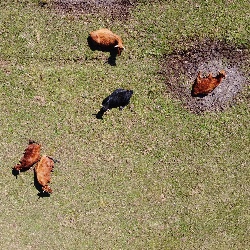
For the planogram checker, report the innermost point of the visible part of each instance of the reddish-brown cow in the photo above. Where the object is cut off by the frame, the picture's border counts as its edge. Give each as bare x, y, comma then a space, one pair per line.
106, 41
30, 157
43, 171
203, 86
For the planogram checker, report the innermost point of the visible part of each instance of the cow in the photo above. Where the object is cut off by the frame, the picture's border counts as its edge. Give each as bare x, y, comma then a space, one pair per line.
42, 172
106, 41
30, 157
119, 98
204, 85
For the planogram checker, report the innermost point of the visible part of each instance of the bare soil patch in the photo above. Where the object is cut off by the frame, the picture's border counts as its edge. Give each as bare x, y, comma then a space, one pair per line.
5, 66
116, 9
181, 69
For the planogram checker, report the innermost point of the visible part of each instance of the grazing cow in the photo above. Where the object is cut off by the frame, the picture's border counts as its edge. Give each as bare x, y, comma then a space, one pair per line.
203, 86
106, 41
119, 98
43, 171
30, 157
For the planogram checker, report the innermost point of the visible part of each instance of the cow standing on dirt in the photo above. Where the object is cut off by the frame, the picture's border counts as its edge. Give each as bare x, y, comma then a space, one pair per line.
203, 86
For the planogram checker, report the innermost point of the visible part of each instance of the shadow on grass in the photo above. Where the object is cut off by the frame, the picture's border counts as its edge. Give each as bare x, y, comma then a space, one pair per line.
17, 172
113, 51
112, 60
42, 195
99, 115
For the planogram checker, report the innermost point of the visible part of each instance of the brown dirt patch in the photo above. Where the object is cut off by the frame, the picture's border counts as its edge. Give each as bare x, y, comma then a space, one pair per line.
5, 66
181, 68
116, 9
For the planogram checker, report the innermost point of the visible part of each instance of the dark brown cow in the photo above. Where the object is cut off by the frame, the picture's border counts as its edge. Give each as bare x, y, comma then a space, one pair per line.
30, 157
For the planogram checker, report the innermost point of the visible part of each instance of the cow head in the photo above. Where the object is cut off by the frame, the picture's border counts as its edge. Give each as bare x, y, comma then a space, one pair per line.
47, 189
120, 48
222, 73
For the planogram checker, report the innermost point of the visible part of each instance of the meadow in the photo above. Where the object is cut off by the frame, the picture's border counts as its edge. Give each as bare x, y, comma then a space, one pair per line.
152, 176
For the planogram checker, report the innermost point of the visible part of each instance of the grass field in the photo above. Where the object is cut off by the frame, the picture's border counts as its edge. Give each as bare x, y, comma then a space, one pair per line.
153, 176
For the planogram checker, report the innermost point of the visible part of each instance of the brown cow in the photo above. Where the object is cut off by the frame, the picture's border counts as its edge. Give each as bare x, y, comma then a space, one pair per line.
43, 171
203, 86
106, 41
30, 157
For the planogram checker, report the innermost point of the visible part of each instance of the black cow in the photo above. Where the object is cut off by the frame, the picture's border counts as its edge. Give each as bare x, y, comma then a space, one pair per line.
119, 98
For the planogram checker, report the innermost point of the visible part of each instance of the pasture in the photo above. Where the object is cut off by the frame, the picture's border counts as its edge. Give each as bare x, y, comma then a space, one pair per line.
157, 175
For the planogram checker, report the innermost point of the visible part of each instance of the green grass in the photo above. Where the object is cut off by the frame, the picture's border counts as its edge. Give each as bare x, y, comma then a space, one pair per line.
153, 176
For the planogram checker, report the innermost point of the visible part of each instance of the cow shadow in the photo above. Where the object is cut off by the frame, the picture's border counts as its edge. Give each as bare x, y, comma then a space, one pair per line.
99, 115
42, 195
112, 60
17, 172
198, 95
113, 52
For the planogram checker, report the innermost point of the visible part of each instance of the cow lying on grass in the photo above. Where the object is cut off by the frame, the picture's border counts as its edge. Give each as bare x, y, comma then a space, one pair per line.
203, 86
106, 41
43, 171
30, 157
119, 98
